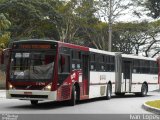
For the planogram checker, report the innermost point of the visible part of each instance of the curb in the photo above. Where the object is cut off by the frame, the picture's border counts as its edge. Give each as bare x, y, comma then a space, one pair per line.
150, 109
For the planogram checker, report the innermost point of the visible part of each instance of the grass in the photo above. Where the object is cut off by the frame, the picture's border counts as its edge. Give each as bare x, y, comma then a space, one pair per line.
155, 103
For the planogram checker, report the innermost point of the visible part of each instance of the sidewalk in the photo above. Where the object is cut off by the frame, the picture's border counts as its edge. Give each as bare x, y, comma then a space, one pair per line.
2, 94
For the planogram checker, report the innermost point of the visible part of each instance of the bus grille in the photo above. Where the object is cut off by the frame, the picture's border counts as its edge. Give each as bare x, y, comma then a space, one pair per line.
65, 92
29, 96
33, 87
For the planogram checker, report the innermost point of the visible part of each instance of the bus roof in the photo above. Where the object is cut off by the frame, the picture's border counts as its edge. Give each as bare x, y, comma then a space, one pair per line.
85, 48
101, 51
34, 40
137, 57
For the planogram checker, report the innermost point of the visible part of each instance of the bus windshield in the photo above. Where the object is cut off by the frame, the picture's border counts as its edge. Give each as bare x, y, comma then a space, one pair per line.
31, 66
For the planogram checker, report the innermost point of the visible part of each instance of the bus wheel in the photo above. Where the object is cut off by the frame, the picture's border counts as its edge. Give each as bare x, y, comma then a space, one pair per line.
34, 102
144, 90
108, 92
72, 101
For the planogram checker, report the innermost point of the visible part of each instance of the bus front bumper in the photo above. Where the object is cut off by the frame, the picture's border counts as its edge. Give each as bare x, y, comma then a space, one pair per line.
31, 95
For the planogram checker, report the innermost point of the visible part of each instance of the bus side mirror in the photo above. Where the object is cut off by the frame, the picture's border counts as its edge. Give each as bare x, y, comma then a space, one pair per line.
1, 57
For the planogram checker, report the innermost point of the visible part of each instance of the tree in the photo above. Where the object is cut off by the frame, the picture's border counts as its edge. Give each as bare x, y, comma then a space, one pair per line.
96, 34
128, 37
31, 19
149, 7
85, 11
67, 27
49, 19
109, 11
77, 15
137, 38
4, 34
151, 48
154, 8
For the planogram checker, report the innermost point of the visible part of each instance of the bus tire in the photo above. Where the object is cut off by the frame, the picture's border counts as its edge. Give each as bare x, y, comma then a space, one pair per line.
72, 101
144, 90
108, 92
34, 102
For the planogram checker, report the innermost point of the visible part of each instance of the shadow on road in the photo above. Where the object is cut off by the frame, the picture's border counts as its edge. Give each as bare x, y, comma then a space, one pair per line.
43, 105
113, 97
130, 96
55, 105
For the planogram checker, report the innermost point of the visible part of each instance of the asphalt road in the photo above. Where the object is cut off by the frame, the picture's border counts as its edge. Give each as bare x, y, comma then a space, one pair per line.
128, 104
128, 107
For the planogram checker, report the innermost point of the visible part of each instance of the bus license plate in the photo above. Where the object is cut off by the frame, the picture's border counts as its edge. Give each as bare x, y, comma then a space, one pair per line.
28, 93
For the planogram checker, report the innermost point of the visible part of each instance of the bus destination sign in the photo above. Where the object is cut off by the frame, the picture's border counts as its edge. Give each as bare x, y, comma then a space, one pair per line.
35, 46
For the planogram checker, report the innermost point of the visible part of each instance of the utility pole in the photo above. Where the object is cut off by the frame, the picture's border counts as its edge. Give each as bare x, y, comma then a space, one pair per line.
110, 26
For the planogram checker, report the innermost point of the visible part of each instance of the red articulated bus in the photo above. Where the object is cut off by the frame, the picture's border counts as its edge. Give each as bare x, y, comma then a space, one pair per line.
50, 70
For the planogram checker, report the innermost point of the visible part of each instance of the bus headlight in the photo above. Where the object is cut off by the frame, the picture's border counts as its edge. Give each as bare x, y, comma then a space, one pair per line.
11, 86
48, 87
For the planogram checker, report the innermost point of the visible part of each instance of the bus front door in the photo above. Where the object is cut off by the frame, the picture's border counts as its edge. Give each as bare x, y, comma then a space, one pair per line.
127, 76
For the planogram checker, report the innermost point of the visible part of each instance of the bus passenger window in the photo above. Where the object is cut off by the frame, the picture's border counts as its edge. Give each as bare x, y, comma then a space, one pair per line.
73, 66
78, 66
102, 67
134, 70
92, 67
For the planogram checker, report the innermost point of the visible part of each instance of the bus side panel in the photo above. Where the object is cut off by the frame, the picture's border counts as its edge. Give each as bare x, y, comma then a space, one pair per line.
139, 79
65, 87
98, 83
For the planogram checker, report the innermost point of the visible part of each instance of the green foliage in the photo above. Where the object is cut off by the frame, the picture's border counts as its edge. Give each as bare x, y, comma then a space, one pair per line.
137, 38
4, 34
129, 36
4, 40
28, 17
4, 22
77, 17
74, 21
